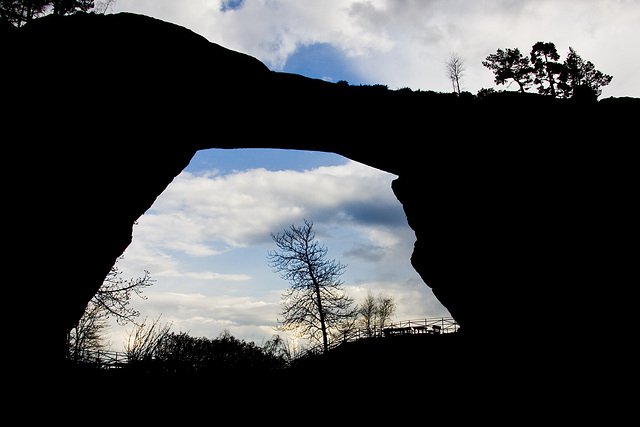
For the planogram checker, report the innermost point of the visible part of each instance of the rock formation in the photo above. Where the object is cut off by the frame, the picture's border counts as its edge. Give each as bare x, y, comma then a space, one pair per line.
503, 192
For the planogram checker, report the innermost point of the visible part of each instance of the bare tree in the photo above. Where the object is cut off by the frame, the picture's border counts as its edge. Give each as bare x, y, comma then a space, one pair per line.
115, 293
85, 336
346, 326
367, 311
385, 309
455, 70
316, 302
375, 312
111, 300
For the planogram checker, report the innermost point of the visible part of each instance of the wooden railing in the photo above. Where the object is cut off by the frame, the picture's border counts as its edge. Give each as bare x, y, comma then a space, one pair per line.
435, 326
100, 359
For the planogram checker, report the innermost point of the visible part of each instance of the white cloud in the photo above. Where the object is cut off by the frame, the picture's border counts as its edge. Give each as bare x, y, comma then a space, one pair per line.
426, 32
197, 212
405, 42
204, 275
271, 30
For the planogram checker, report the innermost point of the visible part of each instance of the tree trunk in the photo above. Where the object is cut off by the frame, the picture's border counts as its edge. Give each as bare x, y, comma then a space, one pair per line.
323, 327
316, 286
552, 82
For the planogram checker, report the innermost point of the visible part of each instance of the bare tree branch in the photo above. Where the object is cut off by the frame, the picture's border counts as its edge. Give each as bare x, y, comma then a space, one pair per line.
115, 293
111, 300
315, 304
455, 70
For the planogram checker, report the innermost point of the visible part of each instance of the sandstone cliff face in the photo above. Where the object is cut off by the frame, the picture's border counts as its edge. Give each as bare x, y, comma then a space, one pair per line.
107, 110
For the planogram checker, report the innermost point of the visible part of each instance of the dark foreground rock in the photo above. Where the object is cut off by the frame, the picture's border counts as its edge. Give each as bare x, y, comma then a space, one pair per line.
518, 201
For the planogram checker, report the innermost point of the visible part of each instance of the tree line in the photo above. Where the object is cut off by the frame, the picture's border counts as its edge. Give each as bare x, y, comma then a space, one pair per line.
153, 344
574, 77
150, 342
21, 12
542, 69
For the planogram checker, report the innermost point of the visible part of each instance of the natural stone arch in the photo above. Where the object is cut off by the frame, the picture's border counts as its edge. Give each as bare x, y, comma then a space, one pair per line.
482, 212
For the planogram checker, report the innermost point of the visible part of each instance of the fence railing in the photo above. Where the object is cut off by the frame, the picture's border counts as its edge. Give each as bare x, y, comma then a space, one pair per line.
100, 359
435, 326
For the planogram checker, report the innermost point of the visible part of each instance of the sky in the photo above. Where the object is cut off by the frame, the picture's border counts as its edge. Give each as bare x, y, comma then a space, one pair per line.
404, 43
205, 239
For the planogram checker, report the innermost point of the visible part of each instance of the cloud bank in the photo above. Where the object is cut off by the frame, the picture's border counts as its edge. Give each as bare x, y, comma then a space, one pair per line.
206, 237
405, 42
205, 214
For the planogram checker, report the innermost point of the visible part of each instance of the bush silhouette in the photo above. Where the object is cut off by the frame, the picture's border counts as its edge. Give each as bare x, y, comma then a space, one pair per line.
183, 353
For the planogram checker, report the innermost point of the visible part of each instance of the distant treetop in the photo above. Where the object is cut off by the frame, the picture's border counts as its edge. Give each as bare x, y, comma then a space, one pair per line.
574, 77
20, 12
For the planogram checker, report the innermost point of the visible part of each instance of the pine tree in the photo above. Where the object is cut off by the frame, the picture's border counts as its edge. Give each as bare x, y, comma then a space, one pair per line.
510, 64
581, 76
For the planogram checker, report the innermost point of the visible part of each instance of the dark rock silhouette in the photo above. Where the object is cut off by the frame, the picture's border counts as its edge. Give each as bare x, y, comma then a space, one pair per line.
506, 193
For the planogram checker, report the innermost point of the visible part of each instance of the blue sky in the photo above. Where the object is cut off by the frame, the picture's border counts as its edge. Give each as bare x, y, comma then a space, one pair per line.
323, 61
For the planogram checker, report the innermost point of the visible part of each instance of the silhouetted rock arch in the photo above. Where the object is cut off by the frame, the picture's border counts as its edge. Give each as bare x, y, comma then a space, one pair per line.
104, 111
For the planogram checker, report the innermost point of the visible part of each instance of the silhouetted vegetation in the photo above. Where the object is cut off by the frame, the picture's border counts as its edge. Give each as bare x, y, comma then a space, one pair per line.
111, 301
145, 340
181, 351
574, 77
510, 64
152, 346
375, 311
232, 369
20, 12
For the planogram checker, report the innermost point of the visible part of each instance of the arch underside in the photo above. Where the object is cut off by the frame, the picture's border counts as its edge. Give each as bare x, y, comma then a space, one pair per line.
484, 196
